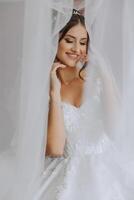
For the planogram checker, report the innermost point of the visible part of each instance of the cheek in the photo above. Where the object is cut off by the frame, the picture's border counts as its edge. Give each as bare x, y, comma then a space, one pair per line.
61, 51
62, 45
84, 49
62, 48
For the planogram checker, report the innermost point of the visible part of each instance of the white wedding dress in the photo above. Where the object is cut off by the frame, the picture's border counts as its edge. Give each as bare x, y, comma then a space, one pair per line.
87, 170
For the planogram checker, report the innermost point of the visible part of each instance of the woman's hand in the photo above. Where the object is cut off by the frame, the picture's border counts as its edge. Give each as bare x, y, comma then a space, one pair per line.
55, 80
82, 59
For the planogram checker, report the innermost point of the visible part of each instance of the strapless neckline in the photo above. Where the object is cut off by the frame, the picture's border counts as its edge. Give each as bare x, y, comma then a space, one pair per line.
71, 105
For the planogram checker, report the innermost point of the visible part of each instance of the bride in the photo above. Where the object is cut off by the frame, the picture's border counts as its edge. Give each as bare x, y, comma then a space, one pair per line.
79, 160
66, 126
66, 80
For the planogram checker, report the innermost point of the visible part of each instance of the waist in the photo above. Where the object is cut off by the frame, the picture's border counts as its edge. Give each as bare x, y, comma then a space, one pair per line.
87, 149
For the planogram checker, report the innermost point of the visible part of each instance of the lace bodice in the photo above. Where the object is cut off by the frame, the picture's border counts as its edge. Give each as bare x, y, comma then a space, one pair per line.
84, 128
87, 160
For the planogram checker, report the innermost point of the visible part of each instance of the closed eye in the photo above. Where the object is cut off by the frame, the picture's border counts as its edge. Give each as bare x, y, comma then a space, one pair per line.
83, 43
68, 41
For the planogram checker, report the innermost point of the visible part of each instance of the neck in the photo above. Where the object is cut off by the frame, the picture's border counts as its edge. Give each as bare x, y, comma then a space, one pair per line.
68, 74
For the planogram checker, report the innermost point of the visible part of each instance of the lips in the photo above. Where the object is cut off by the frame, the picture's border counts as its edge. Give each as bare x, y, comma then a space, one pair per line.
73, 56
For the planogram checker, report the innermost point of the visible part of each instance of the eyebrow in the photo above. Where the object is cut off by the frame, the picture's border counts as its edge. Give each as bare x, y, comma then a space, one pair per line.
75, 37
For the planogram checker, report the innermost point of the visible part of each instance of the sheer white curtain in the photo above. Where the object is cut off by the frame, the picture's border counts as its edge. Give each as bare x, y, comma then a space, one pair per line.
28, 37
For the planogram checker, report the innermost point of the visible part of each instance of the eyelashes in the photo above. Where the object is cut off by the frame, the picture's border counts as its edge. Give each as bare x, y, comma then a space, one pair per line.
69, 41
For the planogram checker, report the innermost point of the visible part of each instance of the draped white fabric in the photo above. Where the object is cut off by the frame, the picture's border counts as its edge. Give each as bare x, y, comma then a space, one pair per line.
28, 37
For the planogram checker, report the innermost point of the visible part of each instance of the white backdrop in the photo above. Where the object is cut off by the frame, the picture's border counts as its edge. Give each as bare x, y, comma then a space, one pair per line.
11, 34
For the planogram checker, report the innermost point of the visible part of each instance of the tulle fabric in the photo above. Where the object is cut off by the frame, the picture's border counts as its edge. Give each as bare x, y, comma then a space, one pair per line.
90, 159
29, 38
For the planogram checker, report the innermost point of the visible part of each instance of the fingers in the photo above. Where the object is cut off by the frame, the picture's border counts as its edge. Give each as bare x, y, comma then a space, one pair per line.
55, 70
56, 66
83, 57
86, 58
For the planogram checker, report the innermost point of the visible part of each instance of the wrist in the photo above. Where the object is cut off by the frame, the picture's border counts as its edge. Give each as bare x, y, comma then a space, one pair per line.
55, 96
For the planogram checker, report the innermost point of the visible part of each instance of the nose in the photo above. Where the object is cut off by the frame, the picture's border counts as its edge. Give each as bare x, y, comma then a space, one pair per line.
76, 48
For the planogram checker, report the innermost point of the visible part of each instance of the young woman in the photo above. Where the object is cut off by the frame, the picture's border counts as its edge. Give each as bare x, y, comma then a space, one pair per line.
67, 80
76, 167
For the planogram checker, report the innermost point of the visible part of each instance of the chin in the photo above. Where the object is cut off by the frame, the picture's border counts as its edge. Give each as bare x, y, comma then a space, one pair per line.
71, 64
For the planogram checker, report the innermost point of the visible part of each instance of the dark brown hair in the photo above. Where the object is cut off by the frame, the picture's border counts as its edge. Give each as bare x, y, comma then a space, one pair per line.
74, 20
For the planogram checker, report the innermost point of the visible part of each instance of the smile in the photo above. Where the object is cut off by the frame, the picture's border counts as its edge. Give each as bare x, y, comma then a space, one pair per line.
73, 56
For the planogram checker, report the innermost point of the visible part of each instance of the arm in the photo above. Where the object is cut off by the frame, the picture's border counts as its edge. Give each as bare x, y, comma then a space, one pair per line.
56, 132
